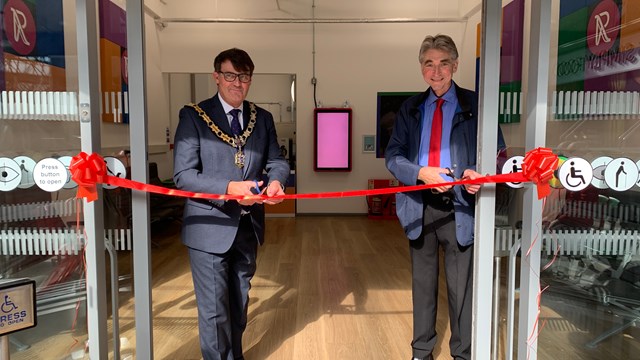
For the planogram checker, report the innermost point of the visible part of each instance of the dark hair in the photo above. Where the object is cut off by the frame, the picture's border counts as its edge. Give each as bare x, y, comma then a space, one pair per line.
439, 42
239, 58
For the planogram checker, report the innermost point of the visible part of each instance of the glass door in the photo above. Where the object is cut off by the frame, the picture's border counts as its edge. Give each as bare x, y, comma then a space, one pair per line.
57, 96
591, 221
41, 222
587, 231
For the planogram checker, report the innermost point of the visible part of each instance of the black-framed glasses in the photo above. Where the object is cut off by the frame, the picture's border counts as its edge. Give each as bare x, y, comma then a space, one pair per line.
231, 77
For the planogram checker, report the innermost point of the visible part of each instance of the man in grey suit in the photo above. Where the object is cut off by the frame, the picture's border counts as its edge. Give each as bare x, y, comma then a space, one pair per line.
222, 146
434, 141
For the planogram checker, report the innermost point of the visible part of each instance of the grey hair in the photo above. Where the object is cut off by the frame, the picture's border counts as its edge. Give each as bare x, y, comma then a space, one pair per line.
439, 42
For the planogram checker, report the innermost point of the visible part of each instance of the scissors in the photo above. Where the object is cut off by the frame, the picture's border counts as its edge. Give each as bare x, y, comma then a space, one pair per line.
450, 174
256, 190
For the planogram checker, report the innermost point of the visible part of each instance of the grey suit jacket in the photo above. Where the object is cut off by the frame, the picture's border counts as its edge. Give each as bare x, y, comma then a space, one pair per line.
205, 163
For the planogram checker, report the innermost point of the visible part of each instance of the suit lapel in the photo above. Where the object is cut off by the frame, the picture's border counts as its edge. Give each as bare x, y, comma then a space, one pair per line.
217, 114
248, 148
246, 114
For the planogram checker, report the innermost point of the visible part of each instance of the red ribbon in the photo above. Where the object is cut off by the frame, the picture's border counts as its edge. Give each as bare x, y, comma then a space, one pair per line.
88, 170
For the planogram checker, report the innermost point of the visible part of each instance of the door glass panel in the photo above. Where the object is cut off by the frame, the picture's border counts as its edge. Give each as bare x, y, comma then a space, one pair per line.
590, 228
591, 222
41, 235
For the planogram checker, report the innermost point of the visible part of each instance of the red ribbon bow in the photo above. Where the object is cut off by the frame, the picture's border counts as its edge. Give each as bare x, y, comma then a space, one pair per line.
87, 171
538, 166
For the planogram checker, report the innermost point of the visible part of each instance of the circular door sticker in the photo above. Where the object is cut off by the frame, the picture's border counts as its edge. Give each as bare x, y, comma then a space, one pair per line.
598, 165
66, 161
513, 165
575, 174
10, 174
116, 168
50, 174
621, 174
555, 180
26, 165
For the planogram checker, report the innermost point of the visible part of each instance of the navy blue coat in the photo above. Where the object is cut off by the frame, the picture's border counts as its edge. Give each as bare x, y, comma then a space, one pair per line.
402, 154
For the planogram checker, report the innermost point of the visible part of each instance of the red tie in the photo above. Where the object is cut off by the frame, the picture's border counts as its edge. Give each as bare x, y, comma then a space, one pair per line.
436, 135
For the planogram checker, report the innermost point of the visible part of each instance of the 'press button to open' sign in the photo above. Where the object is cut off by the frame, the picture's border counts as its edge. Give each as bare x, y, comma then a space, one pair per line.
50, 174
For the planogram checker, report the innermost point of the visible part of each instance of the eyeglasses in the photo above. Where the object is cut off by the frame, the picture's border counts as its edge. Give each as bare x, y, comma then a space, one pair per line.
443, 66
231, 77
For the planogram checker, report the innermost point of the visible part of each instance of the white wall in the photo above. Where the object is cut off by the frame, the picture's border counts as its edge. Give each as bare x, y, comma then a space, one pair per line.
353, 63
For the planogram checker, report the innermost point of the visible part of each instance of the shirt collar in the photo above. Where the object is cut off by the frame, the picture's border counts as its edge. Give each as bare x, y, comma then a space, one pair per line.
226, 105
449, 96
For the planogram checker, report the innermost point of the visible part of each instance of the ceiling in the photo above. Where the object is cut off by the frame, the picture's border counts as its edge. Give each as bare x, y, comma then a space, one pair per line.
314, 9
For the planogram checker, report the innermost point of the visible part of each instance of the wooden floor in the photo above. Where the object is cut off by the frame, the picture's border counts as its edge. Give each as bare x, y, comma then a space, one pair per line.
326, 288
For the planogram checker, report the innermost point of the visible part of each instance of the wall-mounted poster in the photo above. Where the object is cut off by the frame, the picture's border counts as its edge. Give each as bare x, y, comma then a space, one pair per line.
388, 106
113, 63
598, 69
511, 44
32, 52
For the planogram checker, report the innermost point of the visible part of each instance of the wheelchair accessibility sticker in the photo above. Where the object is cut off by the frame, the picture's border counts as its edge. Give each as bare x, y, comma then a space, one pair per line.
575, 174
513, 165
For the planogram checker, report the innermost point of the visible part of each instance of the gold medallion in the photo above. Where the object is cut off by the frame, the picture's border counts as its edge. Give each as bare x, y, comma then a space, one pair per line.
239, 158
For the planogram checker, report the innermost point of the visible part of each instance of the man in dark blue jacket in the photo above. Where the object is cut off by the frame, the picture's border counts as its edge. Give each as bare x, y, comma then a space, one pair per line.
435, 141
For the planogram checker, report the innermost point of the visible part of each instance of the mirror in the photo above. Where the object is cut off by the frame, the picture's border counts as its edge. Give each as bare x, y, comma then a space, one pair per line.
273, 92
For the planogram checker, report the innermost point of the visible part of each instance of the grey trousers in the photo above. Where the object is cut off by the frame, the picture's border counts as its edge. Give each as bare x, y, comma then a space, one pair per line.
439, 232
222, 283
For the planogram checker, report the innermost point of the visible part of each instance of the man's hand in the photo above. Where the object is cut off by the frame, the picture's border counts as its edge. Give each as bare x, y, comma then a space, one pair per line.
274, 188
244, 188
471, 175
431, 175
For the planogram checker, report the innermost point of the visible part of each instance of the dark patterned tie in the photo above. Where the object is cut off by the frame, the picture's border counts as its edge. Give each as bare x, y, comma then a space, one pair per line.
436, 135
235, 122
